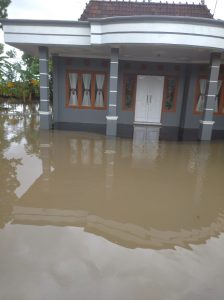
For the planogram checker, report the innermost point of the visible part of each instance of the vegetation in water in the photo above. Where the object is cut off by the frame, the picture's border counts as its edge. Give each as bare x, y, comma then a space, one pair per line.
19, 77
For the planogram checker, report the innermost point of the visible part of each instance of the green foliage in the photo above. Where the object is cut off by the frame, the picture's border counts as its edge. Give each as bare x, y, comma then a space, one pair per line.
11, 53
1, 49
20, 79
31, 64
3, 8
30, 76
4, 63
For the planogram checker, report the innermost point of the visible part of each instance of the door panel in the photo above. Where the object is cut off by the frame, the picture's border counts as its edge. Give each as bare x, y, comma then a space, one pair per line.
149, 99
141, 99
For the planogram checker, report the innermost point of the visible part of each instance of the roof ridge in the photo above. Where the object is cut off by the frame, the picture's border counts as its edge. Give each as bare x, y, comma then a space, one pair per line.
107, 8
148, 2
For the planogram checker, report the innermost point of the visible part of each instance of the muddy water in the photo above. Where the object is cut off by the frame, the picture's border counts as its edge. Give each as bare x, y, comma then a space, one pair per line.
86, 217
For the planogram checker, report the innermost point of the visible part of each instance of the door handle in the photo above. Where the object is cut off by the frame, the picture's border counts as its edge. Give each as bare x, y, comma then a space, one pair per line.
147, 99
150, 99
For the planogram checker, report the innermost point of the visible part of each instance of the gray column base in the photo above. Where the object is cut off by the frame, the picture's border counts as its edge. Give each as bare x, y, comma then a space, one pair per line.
205, 130
45, 121
111, 129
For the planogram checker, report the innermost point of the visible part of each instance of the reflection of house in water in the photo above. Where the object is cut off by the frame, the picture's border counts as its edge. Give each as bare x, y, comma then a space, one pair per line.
94, 185
145, 142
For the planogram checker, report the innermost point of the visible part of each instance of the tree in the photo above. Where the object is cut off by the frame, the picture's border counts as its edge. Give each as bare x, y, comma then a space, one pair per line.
4, 63
32, 65
30, 76
3, 8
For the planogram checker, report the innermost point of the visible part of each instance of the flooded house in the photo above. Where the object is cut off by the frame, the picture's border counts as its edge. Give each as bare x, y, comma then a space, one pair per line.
128, 63
84, 216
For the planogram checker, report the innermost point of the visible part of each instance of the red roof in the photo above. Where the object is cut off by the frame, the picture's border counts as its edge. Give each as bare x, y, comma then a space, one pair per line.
102, 9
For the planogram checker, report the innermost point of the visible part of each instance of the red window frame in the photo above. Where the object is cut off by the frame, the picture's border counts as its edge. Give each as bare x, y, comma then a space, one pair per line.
92, 89
125, 78
165, 93
197, 94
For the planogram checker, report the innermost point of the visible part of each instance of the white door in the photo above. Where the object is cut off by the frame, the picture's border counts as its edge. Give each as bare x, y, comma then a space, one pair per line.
149, 98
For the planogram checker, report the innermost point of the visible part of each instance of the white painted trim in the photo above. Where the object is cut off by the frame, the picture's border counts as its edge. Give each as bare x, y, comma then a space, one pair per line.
49, 40
213, 81
44, 87
113, 91
114, 77
44, 112
43, 59
211, 95
147, 123
209, 109
114, 105
112, 118
114, 62
184, 31
215, 66
187, 33
207, 122
44, 100
44, 74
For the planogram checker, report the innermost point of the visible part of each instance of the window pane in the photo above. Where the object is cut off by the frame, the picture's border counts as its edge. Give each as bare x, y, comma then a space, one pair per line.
73, 94
218, 97
86, 100
100, 78
129, 97
170, 94
201, 96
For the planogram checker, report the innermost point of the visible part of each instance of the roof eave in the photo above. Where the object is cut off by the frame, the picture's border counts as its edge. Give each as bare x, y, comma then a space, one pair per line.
43, 22
157, 18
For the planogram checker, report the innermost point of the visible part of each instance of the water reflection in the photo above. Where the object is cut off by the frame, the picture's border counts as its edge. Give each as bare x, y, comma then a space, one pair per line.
145, 143
8, 109
137, 193
17, 145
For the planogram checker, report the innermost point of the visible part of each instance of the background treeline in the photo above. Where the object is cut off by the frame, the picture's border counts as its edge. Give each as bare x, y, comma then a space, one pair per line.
19, 77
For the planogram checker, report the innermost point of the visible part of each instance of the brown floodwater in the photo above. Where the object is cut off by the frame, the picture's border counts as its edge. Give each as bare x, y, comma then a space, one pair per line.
85, 217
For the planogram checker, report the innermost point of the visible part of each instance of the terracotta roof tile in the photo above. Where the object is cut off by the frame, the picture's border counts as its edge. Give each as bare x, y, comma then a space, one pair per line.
102, 9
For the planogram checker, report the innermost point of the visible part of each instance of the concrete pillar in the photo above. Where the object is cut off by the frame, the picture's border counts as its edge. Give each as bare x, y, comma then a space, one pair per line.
186, 75
113, 93
45, 114
55, 74
206, 124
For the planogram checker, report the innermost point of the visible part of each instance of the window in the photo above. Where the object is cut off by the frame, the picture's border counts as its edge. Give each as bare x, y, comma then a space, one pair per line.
201, 93
86, 89
129, 92
200, 97
219, 105
170, 94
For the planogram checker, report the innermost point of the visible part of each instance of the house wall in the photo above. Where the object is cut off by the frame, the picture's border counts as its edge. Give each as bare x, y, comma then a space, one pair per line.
183, 117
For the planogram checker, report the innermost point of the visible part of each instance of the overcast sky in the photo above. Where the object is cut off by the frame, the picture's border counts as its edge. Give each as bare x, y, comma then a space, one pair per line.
72, 9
